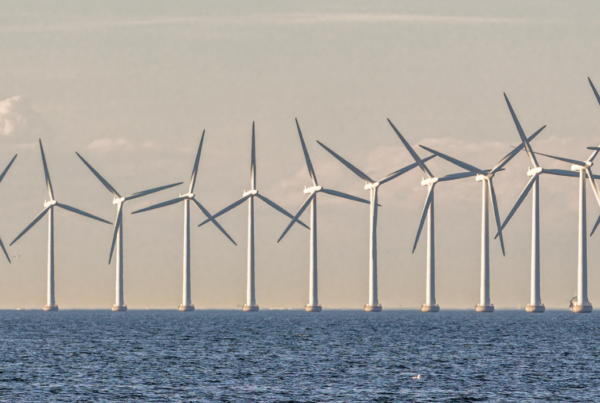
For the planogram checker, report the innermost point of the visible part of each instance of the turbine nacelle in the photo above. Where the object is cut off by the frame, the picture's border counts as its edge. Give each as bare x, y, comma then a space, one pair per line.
119, 200
49, 203
370, 186
481, 178
535, 171
429, 181
187, 195
253, 192
312, 189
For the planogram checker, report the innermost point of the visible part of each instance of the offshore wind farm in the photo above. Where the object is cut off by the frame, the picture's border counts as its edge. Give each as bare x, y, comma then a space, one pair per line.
355, 180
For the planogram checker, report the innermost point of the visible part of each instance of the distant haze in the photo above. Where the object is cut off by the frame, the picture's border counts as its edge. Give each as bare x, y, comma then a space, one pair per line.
131, 85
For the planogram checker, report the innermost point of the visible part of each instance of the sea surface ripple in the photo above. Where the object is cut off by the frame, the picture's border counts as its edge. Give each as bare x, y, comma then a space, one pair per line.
293, 356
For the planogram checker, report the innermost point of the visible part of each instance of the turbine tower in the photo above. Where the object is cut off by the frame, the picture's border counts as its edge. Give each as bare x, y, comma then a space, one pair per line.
49, 208
117, 239
535, 302
2, 177
488, 194
187, 305
373, 186
313, 292
250, 305
428, 212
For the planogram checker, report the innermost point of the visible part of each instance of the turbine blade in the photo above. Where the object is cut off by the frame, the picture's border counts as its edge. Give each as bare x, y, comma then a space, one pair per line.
6, 169
561, 172
83, 213
309, 165
348, 165
196, 162
280, 209
100, 178
226, 209
207, 214
404, 170
514, 152
118, 222
592, 157
452, 177
593, 184
150, 191
595, 226
298, 214
522, 196
346, 195
522, 134
159, 205
412, 152
46, 173
4, 250
253, 162
35, 220
497, 215
594, 89
424, 214
461, 164
570, 161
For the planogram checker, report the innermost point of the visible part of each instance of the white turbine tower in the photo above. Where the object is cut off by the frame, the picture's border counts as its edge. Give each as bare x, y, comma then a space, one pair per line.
2, 177
428, 212
49, 208
373, 186
250, 305
535, 303
488, 194
186, 198
313, 293
117, 239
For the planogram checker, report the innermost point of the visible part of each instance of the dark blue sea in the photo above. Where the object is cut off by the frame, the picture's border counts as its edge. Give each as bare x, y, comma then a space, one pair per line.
293, 356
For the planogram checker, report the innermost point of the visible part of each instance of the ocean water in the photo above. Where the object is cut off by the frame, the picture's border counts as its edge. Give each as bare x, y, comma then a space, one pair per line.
293, 356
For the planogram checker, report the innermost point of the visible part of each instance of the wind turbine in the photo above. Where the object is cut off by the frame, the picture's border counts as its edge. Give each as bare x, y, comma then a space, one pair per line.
186, 198
250, 305
313, 297
2, 177
488, 194
119, 201
581, 169
428, 212
373, 186
49, 209
535, 303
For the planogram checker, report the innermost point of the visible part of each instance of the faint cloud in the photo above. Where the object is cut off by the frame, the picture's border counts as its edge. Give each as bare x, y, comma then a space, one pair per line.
12, 115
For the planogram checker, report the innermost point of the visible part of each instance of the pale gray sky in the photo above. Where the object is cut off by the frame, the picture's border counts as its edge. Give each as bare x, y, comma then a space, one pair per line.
131, 85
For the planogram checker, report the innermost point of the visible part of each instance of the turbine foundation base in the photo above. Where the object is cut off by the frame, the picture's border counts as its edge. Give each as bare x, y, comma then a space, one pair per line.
119, 308
582, 308
250, 308
49, 308
430, 308
186, 308
313, 308
535, 308
484, 308
373, 308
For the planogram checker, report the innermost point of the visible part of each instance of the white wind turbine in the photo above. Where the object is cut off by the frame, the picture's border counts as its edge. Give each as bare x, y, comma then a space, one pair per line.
581, 169
117, 239
186, 198
313, 297
428, 212
2, 177
488, 194
49, 208
535, 303
373, 186
250, 305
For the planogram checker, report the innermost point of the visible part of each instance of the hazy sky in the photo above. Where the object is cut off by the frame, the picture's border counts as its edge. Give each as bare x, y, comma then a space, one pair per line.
131, 85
